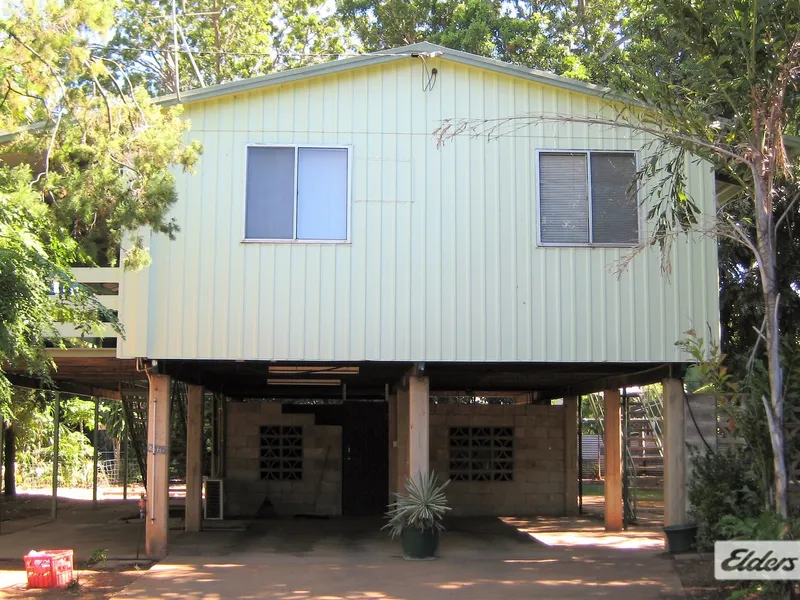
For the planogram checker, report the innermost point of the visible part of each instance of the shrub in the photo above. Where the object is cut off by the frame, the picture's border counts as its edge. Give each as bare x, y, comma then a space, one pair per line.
723, 485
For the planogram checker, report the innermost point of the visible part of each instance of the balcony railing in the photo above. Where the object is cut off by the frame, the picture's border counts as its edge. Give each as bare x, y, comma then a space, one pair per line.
105, 283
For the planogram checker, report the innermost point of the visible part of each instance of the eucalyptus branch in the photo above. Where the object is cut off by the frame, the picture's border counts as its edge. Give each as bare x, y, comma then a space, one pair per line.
130, 86
450, 129
787, 211
760, 337
25, 94
741, 237
50, 147
617, 43
719, 228
44, 61
105, 100
124, 164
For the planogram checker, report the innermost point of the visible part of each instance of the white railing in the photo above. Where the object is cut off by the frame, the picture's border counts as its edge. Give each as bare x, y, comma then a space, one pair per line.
105, 281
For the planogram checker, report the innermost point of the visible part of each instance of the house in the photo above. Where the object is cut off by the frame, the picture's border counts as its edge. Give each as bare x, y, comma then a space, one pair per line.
334, 260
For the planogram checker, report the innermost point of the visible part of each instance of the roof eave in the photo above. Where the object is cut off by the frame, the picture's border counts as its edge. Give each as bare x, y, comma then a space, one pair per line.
279, 78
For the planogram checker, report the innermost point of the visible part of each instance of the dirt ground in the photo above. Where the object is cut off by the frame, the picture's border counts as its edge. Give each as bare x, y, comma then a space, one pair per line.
93, 583
29, 513
105, 580
23, 506
697, 578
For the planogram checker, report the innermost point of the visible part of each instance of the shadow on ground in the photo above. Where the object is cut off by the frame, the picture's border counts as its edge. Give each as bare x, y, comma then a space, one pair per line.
344, 558
480, 558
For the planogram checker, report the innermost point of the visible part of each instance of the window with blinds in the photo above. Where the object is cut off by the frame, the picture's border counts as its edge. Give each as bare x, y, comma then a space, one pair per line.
585, 198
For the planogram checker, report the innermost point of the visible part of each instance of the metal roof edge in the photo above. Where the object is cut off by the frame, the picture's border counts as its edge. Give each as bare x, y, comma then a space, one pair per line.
492, 64
7, 136
383, 56
281, 77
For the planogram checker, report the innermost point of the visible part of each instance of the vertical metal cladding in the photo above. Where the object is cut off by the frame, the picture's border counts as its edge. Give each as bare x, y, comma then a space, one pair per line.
443, 261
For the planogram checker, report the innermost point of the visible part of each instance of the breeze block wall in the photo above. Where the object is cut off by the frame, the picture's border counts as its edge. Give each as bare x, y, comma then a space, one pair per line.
538, 484
317, 491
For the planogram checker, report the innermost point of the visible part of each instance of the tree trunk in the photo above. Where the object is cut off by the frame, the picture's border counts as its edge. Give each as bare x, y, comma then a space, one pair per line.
10, 458
765, 243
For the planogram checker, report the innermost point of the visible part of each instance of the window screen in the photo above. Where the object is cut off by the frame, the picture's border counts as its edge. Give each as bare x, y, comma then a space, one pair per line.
296, 193
564, 198
583, 205
269, 213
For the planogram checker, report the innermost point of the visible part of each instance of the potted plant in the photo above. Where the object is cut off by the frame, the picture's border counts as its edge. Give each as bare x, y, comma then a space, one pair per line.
416, 516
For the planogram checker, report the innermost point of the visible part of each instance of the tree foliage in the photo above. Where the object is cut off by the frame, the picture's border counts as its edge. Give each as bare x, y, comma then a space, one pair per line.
579, 39
228, 40
91, 166
723, 86
741, 305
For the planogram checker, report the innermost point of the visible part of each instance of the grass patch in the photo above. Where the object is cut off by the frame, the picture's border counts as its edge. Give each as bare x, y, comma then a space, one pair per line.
593, 489
598, 489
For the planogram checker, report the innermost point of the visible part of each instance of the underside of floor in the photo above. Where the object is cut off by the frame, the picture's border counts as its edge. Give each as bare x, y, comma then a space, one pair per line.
99, 373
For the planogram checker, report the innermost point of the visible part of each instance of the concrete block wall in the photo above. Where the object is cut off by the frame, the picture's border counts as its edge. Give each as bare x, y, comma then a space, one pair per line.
246, 494
538, 487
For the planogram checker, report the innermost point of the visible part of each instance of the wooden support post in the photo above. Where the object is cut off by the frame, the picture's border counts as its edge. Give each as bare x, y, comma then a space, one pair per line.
402, 471
613, 452
56, 427
674, 453
571, 455
194, 455
157, 517
419, 426
96, 443
393, 457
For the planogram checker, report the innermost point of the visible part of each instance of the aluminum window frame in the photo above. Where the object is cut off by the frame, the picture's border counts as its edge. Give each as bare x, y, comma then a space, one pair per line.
296, 148
590, 243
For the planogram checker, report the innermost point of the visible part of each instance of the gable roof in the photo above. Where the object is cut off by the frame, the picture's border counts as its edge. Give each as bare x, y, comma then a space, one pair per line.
423, 49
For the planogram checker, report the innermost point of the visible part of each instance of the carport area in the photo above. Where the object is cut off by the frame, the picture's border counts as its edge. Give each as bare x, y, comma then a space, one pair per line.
350, 558
277, 440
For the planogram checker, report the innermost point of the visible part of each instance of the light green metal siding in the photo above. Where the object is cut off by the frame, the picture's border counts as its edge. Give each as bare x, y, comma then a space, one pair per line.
443, 263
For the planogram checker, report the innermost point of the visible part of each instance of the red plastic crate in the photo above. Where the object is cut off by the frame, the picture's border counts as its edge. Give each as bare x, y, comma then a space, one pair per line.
49, 568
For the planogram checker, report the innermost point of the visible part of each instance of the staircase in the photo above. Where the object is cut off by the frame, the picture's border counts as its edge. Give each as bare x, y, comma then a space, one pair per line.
644, 443
643, 451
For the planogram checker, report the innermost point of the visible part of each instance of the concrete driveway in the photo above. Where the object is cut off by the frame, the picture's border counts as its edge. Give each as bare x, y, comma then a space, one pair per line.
481, 559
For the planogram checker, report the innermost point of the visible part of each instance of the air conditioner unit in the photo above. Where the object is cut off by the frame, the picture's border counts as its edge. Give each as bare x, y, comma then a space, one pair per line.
214, 499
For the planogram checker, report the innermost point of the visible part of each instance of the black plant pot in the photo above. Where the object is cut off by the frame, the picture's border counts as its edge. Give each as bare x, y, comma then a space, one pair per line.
419, 544
680, 538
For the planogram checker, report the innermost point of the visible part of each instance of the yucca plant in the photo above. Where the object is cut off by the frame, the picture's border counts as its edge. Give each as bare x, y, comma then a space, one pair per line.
422, 506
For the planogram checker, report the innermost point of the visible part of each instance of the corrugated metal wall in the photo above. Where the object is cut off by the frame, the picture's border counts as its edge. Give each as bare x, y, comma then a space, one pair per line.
443, 262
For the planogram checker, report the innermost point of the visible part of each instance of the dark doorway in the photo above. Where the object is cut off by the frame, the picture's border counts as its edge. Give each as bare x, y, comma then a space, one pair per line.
365, 458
